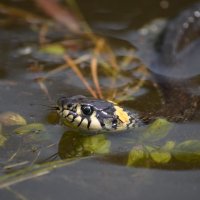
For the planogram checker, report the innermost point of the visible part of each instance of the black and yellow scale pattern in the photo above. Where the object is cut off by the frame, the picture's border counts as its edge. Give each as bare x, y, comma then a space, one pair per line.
97, 115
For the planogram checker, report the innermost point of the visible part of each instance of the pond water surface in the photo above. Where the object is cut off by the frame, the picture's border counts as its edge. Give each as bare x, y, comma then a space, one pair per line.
101, 166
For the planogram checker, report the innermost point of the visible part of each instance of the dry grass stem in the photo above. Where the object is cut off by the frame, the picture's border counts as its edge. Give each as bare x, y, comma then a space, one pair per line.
18, 13
15, 165
128, 59
77, 71
36, 158
62, 15
42, 34
44, 88
144, 71
77, 24
94, 65
55, 71
140, 83
65, 66
112, 57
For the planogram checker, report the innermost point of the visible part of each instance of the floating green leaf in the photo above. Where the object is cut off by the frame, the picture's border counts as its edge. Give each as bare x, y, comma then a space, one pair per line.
160, 156
2, 140
73, 144
11, 118
136, 156
157, 130
55, 49
30, 128
96, 144
169, 146
188, 151
2, 137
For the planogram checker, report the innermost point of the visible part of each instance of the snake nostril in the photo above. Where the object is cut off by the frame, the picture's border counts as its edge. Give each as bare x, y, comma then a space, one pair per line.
114, 123
57, 108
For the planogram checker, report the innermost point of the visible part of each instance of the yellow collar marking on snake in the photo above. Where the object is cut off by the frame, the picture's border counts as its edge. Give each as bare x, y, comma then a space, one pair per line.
123, 116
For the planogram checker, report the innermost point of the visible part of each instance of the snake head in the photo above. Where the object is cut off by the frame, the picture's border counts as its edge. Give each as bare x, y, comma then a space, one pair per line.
94, 114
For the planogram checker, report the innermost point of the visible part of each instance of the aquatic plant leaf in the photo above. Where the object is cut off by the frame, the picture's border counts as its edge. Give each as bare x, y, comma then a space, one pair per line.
11, 119
2, 137
188, 151
157, 130
73, 144
169, 145
30, 128
160, 156
97, 144
55, 49
136, 156
2, 140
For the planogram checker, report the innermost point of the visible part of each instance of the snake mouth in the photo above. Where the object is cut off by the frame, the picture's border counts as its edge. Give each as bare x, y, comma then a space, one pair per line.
73, 117
67, 114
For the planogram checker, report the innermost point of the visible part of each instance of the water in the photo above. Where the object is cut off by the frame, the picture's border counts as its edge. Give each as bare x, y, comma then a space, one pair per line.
103, 171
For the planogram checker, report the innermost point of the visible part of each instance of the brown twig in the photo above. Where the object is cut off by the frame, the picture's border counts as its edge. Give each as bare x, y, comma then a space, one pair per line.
42, 34
94, 63
75, 68
62, 15
144, 71
44, 88
112, 57
18, 13
63, 67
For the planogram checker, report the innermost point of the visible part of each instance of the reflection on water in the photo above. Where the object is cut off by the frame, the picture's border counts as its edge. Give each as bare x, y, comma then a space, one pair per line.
151, 149
74, 144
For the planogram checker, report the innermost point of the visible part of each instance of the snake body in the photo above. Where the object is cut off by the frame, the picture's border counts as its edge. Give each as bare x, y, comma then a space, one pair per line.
98, 115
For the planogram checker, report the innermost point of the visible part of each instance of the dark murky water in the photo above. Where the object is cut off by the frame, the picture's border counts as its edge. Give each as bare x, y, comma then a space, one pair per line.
107, 170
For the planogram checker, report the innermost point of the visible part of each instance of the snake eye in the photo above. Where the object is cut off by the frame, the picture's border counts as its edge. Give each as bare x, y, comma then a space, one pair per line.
87, 110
